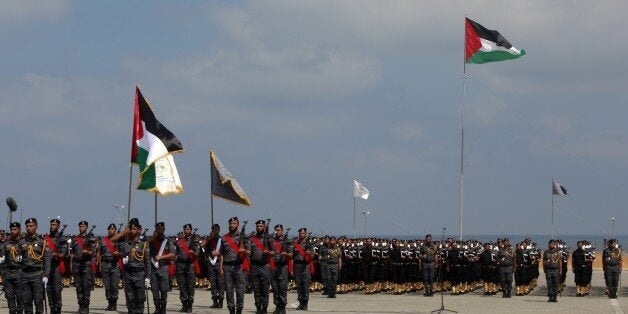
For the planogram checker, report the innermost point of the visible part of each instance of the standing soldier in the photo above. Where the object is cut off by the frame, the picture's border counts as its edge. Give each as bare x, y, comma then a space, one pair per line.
303, 267
36, 260
368, 267
429, 258
261, 254
279, 276
11, 260
212, 244
334, 265
552, 265
488, 269
579, 268
161, 253
612, 264
136, 267
81, 263
187, 264
57, 245
507, 265
322, 261
233, 265
110, 264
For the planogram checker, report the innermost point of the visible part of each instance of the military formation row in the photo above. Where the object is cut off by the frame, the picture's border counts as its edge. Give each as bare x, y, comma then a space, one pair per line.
34, 267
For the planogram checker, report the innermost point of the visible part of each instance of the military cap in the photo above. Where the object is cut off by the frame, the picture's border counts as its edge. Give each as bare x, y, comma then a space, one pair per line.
15, 224
3, 231
30, 220
187, 226
551, 241
303, 229
160, 224
612, 241
215, 226
332, 238
112, 225
55, 220
83, 223
235, 218
134, 223
260, 222
279, 226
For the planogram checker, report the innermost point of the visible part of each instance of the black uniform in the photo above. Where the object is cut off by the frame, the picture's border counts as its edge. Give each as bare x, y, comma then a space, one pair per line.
552, 259
612, 259
57, 244
302, 274
186, 277
507, 261
12, 273
36, 265
82, 269
136, 274
233, 272
216, 281
159, 275
428, 261
110, 269
279, 276
260, 270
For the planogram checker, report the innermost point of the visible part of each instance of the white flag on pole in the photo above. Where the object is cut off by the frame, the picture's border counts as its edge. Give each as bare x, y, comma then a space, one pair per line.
359, 190
558, 189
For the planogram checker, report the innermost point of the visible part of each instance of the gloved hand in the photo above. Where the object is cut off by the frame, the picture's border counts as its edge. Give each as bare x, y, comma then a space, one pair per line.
18, 258
44, 280
1, 259
125, 260
147, 283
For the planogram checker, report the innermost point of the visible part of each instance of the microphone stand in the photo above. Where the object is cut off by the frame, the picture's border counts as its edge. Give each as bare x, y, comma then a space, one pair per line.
442, 291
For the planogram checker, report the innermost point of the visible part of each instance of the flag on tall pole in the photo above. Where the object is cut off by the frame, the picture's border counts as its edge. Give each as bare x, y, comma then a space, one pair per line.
558, 189
151, 149
359, 190
484, 45
224, 185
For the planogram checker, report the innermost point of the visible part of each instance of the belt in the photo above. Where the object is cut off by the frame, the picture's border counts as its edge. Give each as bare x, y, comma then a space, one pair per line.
552, 268
185, 262
300, 262
278, 264
134, 269
332, 263
13, 267
31, 269
231, 263
256, 263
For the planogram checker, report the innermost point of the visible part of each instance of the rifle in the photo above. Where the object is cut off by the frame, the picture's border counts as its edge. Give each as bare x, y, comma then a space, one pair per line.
120, 227
90, 233
242, 234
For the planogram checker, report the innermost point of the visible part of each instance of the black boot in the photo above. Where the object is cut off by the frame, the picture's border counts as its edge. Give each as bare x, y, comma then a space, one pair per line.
508, 294
231, 310
184, 307
215, 304
239, 310
220, 304
114, 305
190, 306
304, 308
300, 307
107, 309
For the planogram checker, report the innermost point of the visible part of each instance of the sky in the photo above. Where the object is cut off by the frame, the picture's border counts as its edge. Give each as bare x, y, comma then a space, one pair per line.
298, 98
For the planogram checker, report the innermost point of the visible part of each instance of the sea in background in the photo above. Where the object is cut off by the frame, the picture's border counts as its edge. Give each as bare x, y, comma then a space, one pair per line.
597, 240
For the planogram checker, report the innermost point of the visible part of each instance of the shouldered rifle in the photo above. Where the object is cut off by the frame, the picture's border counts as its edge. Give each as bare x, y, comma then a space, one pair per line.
242, 235
120, 227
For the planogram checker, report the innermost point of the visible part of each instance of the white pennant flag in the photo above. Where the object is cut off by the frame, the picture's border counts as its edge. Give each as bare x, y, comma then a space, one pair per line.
359, 190
558, 189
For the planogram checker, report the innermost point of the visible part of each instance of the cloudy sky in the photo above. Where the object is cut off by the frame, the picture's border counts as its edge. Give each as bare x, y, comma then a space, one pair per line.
299, 97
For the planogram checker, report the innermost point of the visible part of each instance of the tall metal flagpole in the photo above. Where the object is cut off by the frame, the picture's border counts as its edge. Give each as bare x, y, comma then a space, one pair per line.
211, 204
354, 216
128, 204
155, 208
464, 95
552, 213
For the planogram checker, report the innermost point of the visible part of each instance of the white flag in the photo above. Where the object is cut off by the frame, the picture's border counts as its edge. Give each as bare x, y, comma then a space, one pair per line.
558, 189
166, 176
359, 190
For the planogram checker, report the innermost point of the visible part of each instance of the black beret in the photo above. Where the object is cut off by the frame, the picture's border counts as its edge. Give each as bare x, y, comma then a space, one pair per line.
55, 220
83, 223
303, 229
15, 224
134, 221
30, 220
112, 225
260, 222
279, 226
428, 235
550, 241
160, 224
215, 226
332, 238
612, 241
233, 219
187, 226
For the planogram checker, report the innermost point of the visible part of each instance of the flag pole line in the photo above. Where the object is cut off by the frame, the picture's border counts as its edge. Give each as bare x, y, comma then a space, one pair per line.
464, 95
155, 207
128, 204
354, 216
552, 215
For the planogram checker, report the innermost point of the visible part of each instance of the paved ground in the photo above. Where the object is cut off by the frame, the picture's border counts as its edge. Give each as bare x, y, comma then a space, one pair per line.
409, 303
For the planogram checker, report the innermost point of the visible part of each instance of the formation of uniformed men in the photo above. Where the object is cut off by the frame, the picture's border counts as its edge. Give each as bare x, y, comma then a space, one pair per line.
33, 266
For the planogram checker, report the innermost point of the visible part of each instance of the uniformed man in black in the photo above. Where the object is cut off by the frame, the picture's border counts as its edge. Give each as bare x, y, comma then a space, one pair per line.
136, 260
279, 276
581, 263
262, 250
303, 256
552, 265
612, 264
334, 265
507, 265
110, 262
11, 260
429, 255
162, 254
232, 256
488, 269
187, 254
82, 250
36, 266
58, 246
212, 245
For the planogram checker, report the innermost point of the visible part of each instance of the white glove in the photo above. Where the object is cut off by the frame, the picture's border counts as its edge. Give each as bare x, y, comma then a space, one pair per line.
125, 260
1, 259
18, 259
44, 280
147, 283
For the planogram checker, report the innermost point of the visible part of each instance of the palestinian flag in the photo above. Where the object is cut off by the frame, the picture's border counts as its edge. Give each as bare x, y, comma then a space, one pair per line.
484, 45
151, 150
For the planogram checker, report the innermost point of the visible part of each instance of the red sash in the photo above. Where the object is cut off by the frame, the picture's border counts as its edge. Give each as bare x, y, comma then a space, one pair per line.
259, 245
111, 249
81, 243
305, 256
171, 268
186, 249
279, 248
246, 263
52, 247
